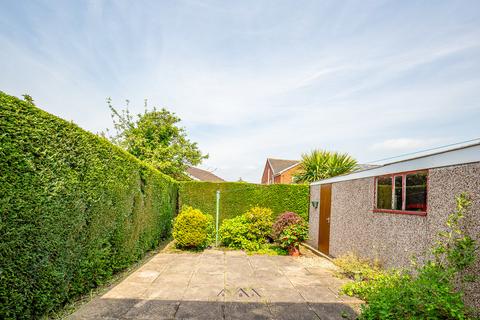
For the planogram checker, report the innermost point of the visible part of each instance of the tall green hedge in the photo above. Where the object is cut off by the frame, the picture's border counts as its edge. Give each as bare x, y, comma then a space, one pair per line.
237, 197
74, 209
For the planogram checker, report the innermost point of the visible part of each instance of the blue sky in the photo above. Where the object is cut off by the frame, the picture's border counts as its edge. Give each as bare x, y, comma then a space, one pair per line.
256, 79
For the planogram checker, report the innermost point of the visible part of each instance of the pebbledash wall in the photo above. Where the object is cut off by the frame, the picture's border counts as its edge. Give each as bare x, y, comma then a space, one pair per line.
394, 238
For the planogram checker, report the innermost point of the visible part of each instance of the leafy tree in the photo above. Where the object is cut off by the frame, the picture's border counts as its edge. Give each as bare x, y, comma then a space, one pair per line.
155, 137
28, 98
321, 164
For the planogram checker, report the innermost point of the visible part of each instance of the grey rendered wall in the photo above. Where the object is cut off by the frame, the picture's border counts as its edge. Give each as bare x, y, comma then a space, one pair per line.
394, 238
313, 216
446, 183
390, 238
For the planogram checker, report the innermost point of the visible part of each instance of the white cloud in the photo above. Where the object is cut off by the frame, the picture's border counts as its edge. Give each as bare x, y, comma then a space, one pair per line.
257, 79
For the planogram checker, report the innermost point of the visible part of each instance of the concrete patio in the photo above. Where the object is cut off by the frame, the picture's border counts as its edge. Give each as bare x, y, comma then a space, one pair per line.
225, 285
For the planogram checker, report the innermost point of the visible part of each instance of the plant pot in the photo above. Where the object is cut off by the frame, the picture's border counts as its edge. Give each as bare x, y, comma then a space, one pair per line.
294, 251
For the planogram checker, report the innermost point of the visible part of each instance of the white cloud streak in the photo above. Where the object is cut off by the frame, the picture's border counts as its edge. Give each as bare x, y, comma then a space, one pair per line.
253, 80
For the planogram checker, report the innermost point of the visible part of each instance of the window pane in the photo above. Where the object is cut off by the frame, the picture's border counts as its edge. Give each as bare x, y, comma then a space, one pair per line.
416, 192
397, 200
384, 192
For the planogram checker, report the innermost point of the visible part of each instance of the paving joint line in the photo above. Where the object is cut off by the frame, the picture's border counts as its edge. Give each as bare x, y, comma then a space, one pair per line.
298, 291
264, 300
164, 267
186, 287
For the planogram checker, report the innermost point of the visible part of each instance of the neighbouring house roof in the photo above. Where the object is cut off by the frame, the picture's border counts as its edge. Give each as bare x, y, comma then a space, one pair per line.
445, 158
280, 165
202, 175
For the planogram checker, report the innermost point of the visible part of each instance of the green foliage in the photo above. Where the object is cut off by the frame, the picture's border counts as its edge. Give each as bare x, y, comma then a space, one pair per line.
368, 275
269, 250
431, 290
248, 231
320, 164
74, 209
28, 98
155, 137
238, 197
192, 229
260, 222
293, 235
233, 233
284, 220
376, 281
356, 268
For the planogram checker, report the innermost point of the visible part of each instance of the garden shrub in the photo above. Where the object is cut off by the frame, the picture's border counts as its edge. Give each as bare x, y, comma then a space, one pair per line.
234, 233
293, 235
74, 209
284, 220
192, 229
428, 291
259, 222
248, 231
238, 197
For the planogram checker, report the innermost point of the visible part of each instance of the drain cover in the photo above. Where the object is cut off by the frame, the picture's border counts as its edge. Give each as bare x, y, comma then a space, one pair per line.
240, 292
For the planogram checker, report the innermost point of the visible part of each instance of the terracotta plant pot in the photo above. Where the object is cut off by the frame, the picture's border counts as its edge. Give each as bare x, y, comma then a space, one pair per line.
294, 252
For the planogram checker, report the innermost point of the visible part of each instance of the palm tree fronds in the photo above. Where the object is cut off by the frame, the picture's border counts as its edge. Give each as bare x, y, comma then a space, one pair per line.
322, 164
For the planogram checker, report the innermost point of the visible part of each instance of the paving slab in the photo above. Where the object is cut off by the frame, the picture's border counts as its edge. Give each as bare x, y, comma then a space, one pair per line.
153, 309
200, 310
334, 311
104, 309
165, 292
225, 285
247, 311
292, 311
206, 279
204, 293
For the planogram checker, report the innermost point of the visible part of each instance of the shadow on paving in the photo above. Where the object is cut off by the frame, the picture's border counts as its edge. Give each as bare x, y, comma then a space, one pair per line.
224, 285
169, 309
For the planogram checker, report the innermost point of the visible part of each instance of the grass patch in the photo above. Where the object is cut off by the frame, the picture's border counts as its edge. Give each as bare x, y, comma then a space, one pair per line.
269, 250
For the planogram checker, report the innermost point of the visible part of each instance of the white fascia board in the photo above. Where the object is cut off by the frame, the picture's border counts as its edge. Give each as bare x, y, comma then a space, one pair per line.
270, 165
458, 156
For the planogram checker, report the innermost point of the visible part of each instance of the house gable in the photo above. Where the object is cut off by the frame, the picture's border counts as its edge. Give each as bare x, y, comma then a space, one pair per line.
267, 176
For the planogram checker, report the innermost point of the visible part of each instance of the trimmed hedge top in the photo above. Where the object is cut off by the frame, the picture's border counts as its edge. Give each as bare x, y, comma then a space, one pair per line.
74, 209
238, 197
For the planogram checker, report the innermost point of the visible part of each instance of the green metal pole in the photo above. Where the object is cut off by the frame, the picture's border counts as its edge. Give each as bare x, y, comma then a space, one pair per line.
216, 220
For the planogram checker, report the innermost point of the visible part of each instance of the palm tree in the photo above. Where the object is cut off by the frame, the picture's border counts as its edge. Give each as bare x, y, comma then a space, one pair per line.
321, 164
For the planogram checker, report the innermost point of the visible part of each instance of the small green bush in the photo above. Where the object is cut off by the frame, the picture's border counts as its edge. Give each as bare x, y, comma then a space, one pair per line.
293, 235
259, 223
192, 229
284, 220
248, 231
430, 291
